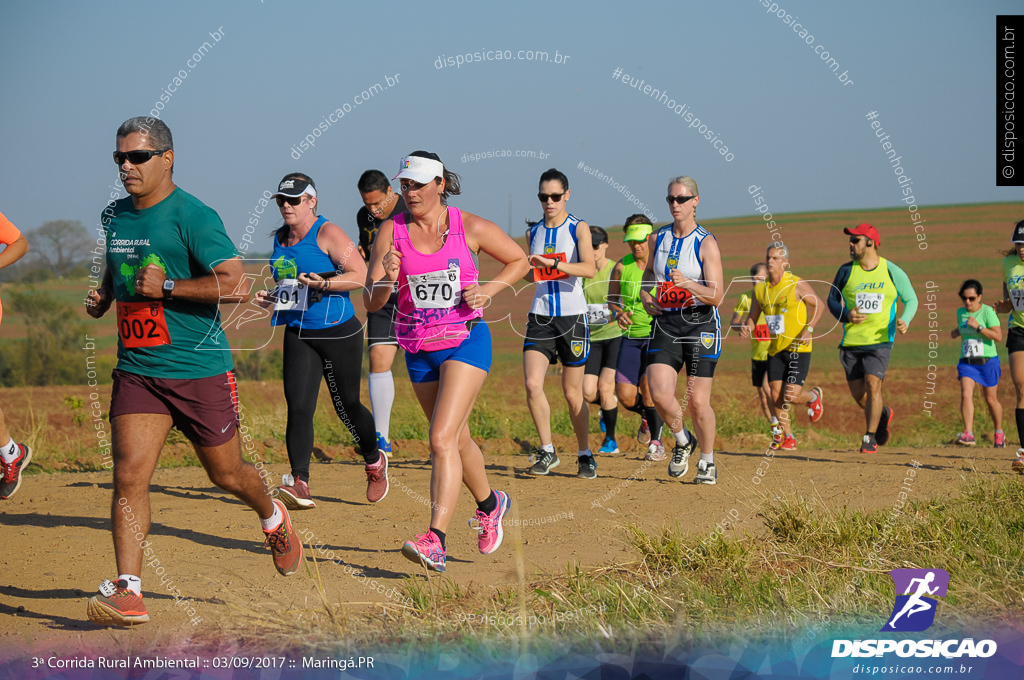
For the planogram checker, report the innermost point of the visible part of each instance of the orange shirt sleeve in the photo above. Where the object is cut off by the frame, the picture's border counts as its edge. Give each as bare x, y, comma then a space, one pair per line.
8, 232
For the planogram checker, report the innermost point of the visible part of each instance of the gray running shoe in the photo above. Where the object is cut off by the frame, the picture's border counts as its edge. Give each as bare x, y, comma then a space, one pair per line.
680, 463
706, 473
544, 463
587, 467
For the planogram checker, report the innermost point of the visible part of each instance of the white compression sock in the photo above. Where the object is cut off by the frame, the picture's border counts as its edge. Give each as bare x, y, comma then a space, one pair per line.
382, 397
274, 521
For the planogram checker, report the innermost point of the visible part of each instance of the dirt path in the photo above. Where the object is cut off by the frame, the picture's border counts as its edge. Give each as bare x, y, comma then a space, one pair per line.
58, 548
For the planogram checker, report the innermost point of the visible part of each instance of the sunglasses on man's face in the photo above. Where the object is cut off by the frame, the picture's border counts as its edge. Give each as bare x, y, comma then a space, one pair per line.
135, 157
290, 200
969, 298
678, 200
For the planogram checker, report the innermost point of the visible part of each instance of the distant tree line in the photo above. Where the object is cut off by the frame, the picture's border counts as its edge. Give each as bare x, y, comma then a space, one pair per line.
61, 249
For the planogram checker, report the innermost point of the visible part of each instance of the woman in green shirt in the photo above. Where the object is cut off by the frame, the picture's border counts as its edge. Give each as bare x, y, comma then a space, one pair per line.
978, 327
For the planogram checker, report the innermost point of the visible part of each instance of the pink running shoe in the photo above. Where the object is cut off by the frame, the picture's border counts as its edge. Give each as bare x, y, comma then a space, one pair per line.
965, 439
377, 479
656, 451
489, 525
426, 550
999, 439
294, 493
643, 435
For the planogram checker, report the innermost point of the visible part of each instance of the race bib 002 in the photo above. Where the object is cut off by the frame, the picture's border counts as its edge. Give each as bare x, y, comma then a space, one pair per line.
142, 324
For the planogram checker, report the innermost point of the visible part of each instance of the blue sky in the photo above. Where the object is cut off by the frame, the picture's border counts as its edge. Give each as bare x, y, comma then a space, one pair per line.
76, 70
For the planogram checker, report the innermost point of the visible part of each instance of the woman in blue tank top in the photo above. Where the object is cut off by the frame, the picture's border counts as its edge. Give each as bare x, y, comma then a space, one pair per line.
315, 266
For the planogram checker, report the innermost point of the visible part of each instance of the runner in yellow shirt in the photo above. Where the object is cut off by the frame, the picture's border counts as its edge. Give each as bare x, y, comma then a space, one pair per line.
791, 308
758, 347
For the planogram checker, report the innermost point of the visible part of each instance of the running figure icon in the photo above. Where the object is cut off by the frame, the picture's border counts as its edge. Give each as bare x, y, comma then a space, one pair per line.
915, 586
915, 604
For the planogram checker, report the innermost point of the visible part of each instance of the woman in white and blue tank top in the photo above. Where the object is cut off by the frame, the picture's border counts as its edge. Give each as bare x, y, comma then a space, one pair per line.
561, 254
686, 267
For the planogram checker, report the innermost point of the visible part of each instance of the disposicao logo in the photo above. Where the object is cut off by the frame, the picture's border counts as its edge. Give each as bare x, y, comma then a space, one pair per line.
914, 611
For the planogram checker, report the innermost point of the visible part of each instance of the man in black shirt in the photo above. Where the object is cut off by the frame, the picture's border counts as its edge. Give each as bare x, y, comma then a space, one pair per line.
380, 202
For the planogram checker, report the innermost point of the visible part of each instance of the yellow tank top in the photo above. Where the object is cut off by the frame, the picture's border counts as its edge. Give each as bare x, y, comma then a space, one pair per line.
785, 315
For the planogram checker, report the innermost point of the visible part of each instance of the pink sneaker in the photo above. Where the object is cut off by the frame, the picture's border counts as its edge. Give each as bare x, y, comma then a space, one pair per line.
426, 550
489, 525
377, 479
643, 435
965, 439
999, 440
294, 493
656, 451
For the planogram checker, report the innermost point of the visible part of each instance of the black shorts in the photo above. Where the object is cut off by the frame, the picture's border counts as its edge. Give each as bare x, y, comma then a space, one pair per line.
204, 409
1015, 340
758, 370
632, 362
564, 337
380, 325
861, 361
789, 367
603, 354
690, 340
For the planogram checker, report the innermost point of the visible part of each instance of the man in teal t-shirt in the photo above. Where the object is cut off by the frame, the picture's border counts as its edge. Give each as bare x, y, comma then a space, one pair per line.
169, 264
978, 328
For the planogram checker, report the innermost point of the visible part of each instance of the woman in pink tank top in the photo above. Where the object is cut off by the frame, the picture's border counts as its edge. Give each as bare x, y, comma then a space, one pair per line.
429, 251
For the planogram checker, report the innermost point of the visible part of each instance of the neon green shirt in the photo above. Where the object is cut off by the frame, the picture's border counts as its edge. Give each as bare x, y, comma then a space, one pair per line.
629, 285
599, 316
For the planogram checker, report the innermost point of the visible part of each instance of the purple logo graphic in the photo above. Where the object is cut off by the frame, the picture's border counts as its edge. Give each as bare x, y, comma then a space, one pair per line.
914, 611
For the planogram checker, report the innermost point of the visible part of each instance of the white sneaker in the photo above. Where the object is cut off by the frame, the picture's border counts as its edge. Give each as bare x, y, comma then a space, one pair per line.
706, 473
680, 463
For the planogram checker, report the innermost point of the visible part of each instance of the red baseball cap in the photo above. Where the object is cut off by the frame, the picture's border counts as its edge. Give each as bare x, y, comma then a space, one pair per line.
865, 229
